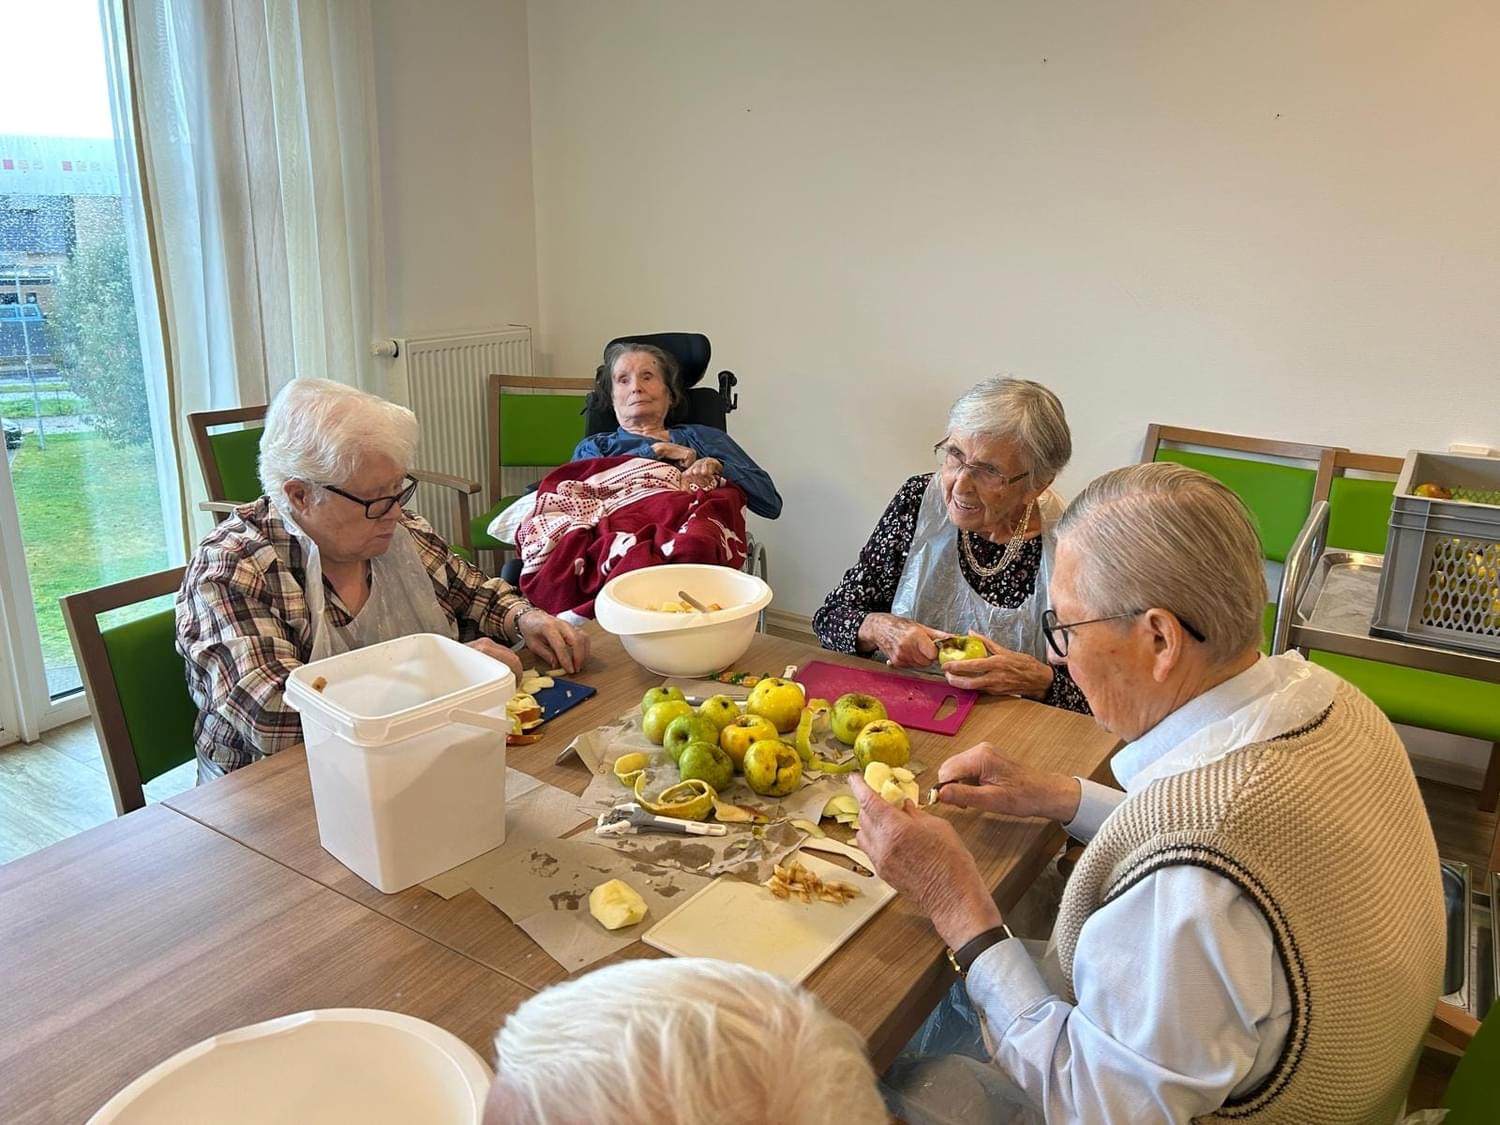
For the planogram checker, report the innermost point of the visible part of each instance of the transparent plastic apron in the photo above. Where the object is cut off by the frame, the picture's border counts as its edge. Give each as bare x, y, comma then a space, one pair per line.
402, 601
933, 591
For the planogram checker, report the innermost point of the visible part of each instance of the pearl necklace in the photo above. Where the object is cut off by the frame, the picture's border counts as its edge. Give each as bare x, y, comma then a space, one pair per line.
1012, 548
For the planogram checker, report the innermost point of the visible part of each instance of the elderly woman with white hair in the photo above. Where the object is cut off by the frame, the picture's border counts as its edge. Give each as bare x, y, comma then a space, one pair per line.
326, 561
1255, 929
643, 384
967, 549
680, 1042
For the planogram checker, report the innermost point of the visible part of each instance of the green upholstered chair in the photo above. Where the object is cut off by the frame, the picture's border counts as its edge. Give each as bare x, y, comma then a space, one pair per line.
229, 458
136, 682
1359, 514
1279, 495
1473, 1093
534, 423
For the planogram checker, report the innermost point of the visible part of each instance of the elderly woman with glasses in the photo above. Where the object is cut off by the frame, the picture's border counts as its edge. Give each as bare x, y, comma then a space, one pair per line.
967, 550
327, 561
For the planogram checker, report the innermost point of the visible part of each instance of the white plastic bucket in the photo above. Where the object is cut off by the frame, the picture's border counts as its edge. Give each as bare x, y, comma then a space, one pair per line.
335, 1066
402, 792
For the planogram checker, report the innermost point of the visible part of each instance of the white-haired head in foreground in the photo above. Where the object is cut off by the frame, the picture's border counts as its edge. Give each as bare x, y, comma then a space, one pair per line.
684, 1040
320, 432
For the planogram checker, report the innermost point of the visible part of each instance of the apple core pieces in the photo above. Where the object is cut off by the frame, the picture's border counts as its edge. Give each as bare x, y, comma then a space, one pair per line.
895, 784
616, 904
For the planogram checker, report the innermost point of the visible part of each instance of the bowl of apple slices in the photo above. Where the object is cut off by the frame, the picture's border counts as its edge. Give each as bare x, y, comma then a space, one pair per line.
661, 632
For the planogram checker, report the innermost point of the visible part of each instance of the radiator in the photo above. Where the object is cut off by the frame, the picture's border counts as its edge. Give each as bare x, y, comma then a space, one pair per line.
445, 382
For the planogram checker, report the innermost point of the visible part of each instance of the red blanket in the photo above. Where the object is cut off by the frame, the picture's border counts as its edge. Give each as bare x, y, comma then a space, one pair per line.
600, 517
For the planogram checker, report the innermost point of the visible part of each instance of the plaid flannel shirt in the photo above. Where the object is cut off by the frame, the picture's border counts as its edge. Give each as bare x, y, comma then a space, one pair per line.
243, 626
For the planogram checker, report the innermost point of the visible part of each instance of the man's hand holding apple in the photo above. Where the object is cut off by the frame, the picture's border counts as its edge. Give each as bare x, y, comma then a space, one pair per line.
904, 643
1002, 672
922, 857
983, 778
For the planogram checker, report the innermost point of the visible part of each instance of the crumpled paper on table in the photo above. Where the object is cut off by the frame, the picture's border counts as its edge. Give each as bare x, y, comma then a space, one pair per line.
534, 811
544, 889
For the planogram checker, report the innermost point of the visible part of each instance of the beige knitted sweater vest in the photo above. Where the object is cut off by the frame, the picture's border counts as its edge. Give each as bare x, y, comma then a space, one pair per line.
1325, 831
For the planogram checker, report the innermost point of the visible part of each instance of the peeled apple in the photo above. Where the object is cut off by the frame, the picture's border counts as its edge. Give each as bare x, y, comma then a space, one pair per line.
615, 904
896, 785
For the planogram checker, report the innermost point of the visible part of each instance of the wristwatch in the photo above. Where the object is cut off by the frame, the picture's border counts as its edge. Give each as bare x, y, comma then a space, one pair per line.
965, 957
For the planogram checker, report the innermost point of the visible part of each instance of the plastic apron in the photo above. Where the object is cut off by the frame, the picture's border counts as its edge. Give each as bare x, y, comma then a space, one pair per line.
401, 602
932, 589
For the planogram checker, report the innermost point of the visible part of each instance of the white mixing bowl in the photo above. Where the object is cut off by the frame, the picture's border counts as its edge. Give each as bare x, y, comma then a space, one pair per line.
683, 644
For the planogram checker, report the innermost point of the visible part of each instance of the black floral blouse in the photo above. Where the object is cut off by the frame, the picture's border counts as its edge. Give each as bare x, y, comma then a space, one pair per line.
869, 586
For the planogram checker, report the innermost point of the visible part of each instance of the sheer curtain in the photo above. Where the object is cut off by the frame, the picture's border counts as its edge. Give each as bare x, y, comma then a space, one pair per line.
254, 124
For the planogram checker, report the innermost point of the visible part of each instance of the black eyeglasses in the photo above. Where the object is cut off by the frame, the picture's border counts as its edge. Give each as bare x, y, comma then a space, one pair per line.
1057, 633
953, 459
381, 505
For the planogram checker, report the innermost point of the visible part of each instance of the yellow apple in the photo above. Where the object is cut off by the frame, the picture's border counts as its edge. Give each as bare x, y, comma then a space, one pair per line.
661, 695
736, 737
961, 648
884, 740
850, 714
778, 700
721, 709
772, 768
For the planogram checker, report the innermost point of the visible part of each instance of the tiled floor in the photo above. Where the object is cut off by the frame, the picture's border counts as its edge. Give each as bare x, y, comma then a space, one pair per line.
55, 788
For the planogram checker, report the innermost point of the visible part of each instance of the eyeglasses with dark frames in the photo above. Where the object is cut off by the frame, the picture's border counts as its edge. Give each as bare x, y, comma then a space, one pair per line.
380, 505
953, 459
1057, 633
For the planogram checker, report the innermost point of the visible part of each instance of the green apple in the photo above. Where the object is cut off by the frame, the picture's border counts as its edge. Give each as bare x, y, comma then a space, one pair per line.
705, 761
735, 739
884, 740
772, 768
661, 695
654, 725
850, 714
778, 700
961, 648
721, 709
691, 727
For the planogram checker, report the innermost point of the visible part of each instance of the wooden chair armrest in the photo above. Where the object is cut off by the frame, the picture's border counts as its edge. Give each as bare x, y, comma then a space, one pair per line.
1453, 1025
447, 480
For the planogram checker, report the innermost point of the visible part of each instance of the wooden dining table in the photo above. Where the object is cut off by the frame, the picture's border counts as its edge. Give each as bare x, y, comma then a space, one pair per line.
219, 908
883, 981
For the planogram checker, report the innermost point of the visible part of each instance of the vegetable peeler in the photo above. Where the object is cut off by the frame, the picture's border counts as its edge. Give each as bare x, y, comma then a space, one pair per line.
629, 819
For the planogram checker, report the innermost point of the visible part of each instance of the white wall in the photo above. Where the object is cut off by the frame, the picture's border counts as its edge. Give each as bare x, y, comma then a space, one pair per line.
1272, 218
453, 116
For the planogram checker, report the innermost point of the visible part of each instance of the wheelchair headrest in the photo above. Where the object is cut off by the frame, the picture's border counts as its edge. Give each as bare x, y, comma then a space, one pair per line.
691, 350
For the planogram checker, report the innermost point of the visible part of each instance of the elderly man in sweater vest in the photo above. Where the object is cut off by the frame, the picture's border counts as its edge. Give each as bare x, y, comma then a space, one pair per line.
1255, 929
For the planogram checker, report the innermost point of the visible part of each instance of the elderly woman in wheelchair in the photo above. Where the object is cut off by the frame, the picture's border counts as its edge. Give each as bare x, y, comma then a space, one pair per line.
644, 385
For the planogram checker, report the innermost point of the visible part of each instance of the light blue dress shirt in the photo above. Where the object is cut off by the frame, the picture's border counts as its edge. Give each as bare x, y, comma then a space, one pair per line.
1182, 998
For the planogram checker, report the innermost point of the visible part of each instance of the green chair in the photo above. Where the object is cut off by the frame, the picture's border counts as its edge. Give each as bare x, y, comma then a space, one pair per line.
1473, 1094
1278, 495
136, 683
534, 423
230, 458
1359, 514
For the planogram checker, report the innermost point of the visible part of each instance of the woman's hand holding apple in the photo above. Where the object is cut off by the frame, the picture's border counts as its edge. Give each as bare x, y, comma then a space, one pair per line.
1002, 672
983, 778
905, 644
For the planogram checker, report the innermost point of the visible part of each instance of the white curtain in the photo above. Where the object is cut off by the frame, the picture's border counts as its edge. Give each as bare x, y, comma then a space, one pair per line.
254, 119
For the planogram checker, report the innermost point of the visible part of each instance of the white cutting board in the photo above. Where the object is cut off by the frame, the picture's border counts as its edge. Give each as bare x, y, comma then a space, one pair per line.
745, 923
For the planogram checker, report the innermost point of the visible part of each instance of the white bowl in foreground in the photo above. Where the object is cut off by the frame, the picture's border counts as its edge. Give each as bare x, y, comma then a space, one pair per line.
683, 644
336, 1065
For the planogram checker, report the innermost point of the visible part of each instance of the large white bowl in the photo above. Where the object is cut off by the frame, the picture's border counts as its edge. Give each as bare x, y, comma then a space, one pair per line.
683, 644
336, 1065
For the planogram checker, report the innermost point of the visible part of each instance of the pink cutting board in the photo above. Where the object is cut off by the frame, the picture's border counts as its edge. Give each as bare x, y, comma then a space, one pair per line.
910, 701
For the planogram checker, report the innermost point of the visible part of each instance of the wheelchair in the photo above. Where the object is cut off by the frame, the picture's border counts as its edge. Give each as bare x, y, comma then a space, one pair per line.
701, 405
